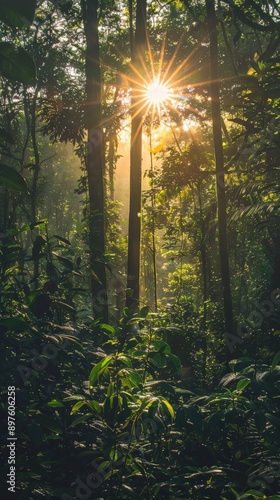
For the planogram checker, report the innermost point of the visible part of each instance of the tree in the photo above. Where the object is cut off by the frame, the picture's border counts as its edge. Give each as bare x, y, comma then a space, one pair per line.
95, 159
134, 230
220, 171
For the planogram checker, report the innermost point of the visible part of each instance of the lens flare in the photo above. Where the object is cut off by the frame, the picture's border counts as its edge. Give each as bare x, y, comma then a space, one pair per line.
157, 93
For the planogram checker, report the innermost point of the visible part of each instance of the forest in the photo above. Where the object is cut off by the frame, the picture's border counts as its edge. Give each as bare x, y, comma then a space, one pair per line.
140, 249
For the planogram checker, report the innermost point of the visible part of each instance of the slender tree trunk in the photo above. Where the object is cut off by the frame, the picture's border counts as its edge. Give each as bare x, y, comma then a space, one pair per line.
219, 159
95, 160
134, 229
36, 166
205, 283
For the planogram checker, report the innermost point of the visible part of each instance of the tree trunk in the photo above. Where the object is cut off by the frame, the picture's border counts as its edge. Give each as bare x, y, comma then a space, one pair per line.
95, 160
134, 229
219, 159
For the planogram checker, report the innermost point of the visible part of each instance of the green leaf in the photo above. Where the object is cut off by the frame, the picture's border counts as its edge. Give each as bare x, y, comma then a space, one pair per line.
275, 361
94, 405
17, 13
175, 360
107, 328
80, 419
11, 179
143, 313
253, 493
77, 406
15, 324
98, 369
60, 238
17, 64
169, 407
242, 384
65, 262
55, 403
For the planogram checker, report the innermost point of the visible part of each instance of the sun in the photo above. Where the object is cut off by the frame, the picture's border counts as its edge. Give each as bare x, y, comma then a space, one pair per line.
157, 93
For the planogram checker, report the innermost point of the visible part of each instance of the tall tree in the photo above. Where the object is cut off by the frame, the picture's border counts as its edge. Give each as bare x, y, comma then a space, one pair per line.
220, 172
95, 159
134, 229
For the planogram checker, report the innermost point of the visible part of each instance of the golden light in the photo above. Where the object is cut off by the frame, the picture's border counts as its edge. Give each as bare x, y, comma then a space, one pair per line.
157, 93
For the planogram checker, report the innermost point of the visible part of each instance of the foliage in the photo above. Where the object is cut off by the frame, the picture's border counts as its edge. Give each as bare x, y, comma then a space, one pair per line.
145, 405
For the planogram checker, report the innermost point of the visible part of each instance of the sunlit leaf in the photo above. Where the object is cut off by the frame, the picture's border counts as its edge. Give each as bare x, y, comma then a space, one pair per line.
169, 407
55, 403
242, 384
98, 369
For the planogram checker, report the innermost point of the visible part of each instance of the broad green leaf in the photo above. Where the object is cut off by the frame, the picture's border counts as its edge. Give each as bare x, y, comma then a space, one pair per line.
15, 324
275, 361
94, 405
242, 384
17, 64
17, 13
98, 369
175, 360
107, 328
143, 313
12, 180
161, 346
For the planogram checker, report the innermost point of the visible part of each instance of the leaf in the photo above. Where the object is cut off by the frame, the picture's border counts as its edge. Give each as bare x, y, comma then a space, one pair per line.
94, 405
60, 238
17, 64
17, 13
143, 313
80, 419
65, 262
98, 369
15, 324
55, 403
107, 328
254, 493
77, 406
242, 384
275, 360
169, 407
11, 179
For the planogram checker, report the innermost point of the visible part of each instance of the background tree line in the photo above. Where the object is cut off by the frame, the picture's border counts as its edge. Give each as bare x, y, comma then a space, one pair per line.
154, 354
